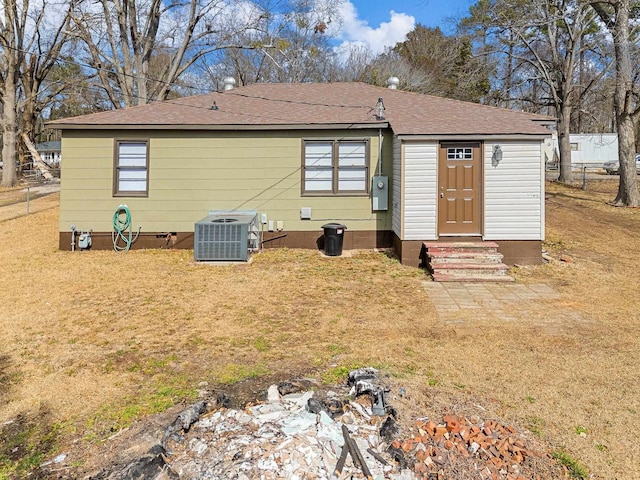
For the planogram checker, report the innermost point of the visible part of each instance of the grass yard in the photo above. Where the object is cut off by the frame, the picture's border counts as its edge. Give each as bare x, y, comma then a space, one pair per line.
92, 341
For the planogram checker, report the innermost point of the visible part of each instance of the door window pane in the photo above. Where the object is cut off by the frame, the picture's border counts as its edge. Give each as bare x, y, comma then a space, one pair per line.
460, 153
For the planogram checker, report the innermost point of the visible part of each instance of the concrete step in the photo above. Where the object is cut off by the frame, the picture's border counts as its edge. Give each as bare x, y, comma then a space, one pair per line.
436, 247
454, 268
440, 258
471, 278
466, 262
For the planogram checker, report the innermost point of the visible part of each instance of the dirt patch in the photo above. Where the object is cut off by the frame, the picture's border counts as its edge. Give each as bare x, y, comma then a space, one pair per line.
25, 438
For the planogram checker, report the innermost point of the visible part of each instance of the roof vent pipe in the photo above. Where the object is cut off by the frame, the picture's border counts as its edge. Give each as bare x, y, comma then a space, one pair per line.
392, 83
229, 83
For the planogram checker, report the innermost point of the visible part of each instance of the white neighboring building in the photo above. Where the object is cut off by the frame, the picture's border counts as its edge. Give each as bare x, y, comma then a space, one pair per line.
51, 152
589, 149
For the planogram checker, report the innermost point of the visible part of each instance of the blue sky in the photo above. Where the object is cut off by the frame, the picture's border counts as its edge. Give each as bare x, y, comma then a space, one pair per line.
426, 12
382, 23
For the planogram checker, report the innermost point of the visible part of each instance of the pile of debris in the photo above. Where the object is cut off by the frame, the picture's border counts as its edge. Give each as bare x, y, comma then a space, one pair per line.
307, 433
292, 435
496, 451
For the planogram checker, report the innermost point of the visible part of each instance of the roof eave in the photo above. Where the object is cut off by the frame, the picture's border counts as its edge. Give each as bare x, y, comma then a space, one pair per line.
475, 136
231, 127
545, 121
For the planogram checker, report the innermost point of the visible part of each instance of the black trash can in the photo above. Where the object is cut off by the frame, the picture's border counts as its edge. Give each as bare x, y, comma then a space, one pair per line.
333, 237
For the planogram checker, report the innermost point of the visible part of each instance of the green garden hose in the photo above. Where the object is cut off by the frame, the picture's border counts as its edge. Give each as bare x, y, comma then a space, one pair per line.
120, 227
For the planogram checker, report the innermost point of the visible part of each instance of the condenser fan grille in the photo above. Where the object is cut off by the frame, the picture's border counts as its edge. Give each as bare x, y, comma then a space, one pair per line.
224, 238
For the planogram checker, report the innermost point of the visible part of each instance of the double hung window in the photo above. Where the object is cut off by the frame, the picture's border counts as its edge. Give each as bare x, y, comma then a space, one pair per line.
335, 167
131, 169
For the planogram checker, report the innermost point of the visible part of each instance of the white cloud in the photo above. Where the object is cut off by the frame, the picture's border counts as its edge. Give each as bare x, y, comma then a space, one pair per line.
355, 31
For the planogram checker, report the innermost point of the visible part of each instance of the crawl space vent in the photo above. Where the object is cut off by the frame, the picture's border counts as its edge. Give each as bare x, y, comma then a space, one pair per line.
226, 236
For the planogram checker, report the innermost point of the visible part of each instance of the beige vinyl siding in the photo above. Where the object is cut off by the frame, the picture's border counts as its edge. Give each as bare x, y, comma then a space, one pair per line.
396, 198
191, 173
514, 192
420, 190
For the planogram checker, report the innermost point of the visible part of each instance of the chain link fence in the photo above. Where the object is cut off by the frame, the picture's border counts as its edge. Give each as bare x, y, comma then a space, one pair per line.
19, 200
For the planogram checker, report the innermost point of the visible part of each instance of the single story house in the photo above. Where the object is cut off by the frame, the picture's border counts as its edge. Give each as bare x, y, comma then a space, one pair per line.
587, 150
593, 149
50, 152
397, 168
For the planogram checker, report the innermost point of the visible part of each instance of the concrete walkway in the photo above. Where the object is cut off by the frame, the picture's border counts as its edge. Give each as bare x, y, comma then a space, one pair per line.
535, 304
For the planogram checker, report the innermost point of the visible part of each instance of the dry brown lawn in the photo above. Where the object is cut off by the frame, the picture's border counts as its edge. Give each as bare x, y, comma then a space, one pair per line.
94, 340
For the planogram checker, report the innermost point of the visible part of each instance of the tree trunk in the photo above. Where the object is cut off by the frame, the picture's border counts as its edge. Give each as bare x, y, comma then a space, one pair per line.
628, 194
564, 144
37, 160
9, 127
28, 126
581, 91
617, 21
509, 75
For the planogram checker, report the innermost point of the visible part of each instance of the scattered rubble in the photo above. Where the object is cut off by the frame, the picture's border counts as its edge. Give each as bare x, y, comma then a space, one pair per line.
150, 466
290, 436
304, 432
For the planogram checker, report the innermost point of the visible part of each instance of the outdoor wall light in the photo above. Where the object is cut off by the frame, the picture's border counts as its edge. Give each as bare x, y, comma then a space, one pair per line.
496, 158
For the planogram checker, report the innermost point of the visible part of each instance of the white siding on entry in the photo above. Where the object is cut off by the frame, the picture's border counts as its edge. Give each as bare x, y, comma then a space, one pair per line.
396, 188
420, 190
514, 192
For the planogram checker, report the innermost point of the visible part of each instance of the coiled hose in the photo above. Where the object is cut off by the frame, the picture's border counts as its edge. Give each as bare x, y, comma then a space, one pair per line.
120, 227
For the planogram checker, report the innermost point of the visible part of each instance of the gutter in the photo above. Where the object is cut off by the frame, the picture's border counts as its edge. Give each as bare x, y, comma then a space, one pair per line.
231, 127
477, 136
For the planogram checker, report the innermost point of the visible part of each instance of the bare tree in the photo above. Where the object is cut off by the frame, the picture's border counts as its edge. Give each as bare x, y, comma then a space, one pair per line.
31, 38
616, 16
47, 41
11, 43
289, 45
595, 111
353, 60
390, 64
543, 43
123, 36
76, 93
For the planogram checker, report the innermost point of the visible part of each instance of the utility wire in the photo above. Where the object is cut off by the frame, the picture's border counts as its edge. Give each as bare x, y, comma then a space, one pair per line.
300, 102
110, 71
178, 103
101, 89
180, 85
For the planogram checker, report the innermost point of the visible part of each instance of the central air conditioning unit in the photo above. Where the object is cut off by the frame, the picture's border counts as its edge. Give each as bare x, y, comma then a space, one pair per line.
226, 236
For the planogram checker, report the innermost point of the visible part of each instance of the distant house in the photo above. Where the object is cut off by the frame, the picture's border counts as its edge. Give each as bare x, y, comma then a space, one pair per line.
593, 148
396, 168
589, 149
50, 152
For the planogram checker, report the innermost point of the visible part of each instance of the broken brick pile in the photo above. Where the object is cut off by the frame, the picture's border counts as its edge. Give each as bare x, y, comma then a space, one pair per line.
496, 451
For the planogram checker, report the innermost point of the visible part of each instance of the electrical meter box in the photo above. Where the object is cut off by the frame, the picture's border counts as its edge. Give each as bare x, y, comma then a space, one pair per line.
380, 193
84, 241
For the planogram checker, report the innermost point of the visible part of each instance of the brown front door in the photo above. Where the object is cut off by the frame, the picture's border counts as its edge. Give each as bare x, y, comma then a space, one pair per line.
459, 199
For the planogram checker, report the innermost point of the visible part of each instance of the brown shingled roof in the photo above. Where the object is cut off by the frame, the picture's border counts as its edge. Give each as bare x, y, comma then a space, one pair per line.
317, 105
